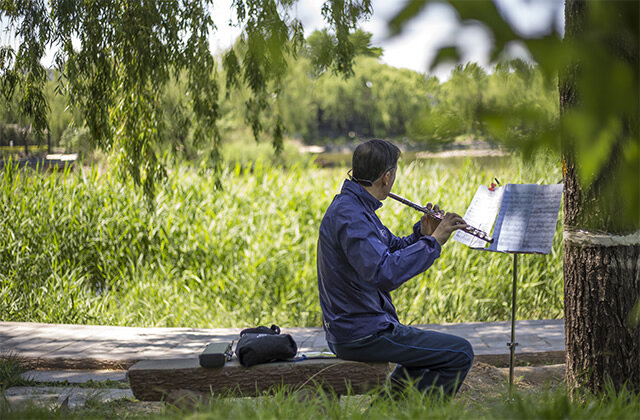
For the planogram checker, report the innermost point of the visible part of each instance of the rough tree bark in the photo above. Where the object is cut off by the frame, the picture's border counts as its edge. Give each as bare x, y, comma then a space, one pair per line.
602, 280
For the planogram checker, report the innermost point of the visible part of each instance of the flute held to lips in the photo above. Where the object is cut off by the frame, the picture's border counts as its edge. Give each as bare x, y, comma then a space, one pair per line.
439, 215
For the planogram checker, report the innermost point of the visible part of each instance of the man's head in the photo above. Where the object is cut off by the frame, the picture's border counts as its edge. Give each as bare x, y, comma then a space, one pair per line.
374, 166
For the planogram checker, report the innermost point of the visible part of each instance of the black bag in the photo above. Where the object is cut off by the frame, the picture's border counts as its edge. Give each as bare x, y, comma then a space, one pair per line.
263, 345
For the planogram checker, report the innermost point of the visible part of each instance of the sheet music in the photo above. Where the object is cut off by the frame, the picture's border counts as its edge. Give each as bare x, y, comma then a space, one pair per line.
513, 217
527, 218
481, 214
543, 219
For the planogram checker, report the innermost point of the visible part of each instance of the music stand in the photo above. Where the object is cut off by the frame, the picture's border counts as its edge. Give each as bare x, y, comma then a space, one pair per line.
526, 223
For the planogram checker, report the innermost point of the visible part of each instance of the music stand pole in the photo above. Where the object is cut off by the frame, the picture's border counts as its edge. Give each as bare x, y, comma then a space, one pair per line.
512, 344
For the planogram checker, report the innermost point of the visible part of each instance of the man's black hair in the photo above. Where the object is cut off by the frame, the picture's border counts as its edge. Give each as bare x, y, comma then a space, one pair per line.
372, 159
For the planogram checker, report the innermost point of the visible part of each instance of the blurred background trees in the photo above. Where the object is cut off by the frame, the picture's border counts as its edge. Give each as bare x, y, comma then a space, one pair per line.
321, 107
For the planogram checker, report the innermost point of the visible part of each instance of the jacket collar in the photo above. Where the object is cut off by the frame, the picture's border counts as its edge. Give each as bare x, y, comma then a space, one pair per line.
368, 201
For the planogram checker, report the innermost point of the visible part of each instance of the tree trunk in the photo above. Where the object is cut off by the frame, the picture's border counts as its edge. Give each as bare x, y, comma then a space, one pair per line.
25, 139
601, 270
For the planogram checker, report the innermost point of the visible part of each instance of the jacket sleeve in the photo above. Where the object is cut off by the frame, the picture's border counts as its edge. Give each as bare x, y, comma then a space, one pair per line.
399, 243
376, 263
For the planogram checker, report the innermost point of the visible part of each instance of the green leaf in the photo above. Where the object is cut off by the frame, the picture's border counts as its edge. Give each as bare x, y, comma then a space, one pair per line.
408, 12
485, 12
447, 54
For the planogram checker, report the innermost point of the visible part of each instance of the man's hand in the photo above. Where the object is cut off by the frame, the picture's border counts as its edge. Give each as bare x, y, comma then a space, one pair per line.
445, 227
429, 224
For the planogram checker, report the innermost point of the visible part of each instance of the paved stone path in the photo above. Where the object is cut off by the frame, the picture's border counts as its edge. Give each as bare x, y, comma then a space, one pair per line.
106, 347
75, 376
82, 349
53, 396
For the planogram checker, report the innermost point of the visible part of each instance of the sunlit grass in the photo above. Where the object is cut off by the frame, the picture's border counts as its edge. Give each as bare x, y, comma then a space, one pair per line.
542, 404
81, 247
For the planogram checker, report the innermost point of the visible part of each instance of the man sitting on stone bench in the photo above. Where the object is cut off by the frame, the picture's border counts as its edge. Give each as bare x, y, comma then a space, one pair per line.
360, 262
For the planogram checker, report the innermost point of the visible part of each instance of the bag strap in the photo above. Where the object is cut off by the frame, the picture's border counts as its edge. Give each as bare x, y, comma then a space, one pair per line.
261, 330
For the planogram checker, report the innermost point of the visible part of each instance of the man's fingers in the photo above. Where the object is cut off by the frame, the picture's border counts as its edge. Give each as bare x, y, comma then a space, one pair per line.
455, 221
459, 221
454, 216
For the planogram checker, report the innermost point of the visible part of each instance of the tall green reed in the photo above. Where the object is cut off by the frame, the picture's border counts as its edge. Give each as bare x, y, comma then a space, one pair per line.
81, 247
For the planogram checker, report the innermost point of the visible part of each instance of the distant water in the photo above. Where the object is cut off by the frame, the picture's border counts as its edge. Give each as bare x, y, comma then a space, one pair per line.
490, 162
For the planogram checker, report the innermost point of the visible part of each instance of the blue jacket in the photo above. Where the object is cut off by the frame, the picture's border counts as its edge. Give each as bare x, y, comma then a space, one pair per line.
360, 261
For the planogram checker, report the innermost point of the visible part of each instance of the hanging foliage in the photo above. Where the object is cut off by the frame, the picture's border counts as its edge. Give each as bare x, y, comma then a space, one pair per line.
115, 56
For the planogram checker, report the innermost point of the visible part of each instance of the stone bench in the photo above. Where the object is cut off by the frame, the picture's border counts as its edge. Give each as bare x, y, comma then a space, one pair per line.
154, 380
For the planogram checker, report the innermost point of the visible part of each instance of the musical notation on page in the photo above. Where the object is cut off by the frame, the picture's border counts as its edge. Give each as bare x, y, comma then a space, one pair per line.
527, 217
481, 213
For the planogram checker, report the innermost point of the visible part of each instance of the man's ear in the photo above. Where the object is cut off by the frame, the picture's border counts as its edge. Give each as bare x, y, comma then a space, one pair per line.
386, 178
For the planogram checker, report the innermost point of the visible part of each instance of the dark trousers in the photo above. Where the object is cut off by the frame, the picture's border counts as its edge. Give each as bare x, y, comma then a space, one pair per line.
429, 359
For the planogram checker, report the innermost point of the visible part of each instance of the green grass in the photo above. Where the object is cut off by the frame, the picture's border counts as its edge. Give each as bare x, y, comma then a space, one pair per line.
10, 370
488, 399
7, 151
81, 247
545, 404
